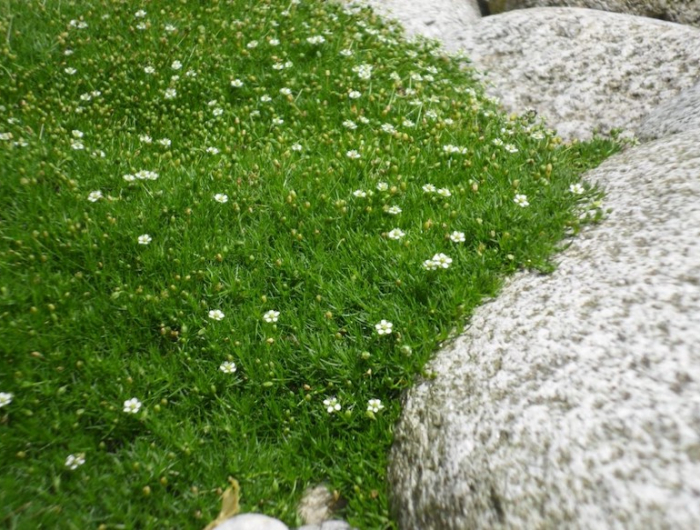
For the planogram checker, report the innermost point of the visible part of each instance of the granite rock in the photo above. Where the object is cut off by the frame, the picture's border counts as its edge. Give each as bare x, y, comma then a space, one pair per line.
252, 521
679, 11
681, 113
573, 400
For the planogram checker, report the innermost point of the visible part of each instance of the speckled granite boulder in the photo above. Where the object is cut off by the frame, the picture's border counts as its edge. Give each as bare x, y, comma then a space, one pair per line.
573, 400
681, 113
584, 70
679, 11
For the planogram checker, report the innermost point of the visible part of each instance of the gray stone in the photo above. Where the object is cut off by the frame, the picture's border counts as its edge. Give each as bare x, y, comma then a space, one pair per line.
252, 521
335, 524
584, 70
573, 400
316, 505
678, 114
679, 11
310, 527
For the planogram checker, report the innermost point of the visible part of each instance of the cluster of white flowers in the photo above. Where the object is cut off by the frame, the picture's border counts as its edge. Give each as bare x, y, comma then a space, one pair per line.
142, 174
363, 71
316, 39
438, 261
453, 149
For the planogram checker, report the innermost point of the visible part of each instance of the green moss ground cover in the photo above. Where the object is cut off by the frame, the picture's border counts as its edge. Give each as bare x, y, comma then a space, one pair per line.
231, 235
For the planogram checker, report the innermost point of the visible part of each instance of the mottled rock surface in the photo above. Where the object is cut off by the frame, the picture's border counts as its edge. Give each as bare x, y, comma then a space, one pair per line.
679, 11
681, 113
252, 521
573, 400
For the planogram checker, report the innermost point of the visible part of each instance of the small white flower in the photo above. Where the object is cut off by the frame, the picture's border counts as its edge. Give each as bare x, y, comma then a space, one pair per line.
78, 146
297, 147
70, 70
216, 314
331, 405
384, 327
145, 139
350, 125
271, 316
252, 44
141, 26
149, 70
576, 189
278, 66
73, 462
265, 98
277, 121
521, 200
95, 196
140, 13
457, 237
346, 52
388, 128
191, 73
129, 178
68, 52
132, 406
393, 210
165, 142
212, 150
176, 65
360, 194
510, 148
408, 123
363, 120
169, 28
497, 142
221, 197
374, 405
236, 83
444, 192
218, 111
170, 93
228, 367
430, 265
353, 154
77, 134
317, 39
274, 42
429, 188
145, 239
382, 186
396, 234
286, 91
441, 260
5, 399
537, 135
174, 78
354, 94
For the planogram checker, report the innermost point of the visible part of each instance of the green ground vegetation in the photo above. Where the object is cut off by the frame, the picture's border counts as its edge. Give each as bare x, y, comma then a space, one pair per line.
231, 235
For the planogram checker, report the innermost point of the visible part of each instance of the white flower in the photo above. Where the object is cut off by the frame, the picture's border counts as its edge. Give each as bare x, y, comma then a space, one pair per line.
145, 239
165, 142
129, 178
218, 111
216, 314
331, 405
132, 406
77, 134
221, 197
350, 124
271, 316
363, 71
510, 148
354, 94
457, 237
360, 194
252, 44
265, 98
382, 186
149, 70
497, 142
429, 188
191, 73
297, 147
444, 192
5, 399
212, 150
140, 13
521, 200
141, 26
430, 265
537, 135
144, 174
346, 52
362, 119
145, 139
78, 146
274, 42
174, 78
278, 66
286, 91
353, 154
374, 405
384, 327
176, 65
70, 70
441, 260
277, 121
393, 210
396, 233
170, 93
73, 462
388, 128
170, 28
95, 196
576, 189
408, 123
228, 367
317, 39
236, 83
